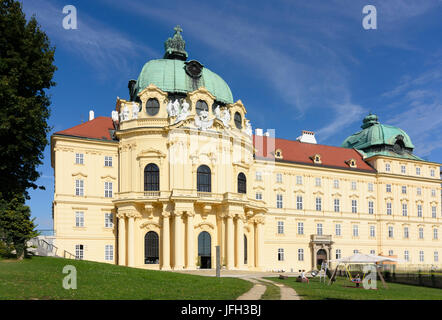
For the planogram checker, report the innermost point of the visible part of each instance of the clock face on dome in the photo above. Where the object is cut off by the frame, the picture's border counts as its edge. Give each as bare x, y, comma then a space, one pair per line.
194, 68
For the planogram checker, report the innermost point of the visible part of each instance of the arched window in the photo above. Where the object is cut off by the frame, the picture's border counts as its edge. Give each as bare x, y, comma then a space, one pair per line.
152, 106
151, 248
242, 183
200, 106
204, 179
151, 177
238, 120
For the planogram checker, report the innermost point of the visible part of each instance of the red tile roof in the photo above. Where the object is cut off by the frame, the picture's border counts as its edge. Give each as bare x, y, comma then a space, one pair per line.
295, 151
97, 128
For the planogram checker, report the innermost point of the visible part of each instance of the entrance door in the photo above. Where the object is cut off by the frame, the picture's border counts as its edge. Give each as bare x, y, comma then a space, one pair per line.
205, 250
321, 256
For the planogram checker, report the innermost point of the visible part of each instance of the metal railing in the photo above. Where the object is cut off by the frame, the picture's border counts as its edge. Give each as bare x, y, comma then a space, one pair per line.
49, 247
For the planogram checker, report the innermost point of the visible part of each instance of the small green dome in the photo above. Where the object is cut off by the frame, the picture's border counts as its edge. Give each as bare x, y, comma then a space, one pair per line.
374, 134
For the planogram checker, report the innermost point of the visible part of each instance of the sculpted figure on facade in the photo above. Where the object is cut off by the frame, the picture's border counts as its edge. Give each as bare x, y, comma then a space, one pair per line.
124, 114
135, 109
176, 108
114, 115
225, 117
184, 112
202, 121
169, 108
249, 130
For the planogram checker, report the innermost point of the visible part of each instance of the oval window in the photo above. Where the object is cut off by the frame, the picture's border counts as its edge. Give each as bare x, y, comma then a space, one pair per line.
152, 106
238, 120
200, 106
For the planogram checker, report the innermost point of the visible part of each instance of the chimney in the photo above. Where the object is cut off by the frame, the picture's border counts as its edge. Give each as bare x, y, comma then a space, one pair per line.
307, 137
258, 132
91, 115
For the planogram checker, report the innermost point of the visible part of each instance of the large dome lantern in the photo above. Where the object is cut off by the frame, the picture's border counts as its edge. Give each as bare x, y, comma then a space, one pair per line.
175, 75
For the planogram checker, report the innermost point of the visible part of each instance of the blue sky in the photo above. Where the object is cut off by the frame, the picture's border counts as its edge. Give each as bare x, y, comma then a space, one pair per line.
294, 64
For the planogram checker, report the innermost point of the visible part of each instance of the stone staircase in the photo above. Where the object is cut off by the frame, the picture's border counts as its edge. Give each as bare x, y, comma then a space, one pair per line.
43, 246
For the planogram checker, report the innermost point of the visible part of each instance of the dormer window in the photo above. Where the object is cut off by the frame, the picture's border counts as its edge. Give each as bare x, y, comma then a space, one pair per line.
317, 158
351, 163
278, 154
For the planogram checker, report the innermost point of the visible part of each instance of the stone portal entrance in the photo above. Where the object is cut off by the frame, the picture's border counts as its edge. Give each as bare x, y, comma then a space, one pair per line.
321, 246
205, 250
321, 256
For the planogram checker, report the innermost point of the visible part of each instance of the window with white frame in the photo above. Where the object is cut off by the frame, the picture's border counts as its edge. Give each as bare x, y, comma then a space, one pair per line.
300, 254
403, 169
300, 227
318, 203
390, 252
108, 189
390, 232
79, 219
372, 231
280, 227
406, 233
280, 254
433, 192
404, 189
355, 230
355, 251
419, 191
370, 187
432, 173
372, 252
353, 185
338, 229
389, 210
319, 229
299, 202
258, 176
279, 177
418, 171
318, 182
433, 211
435, 234
79, 158
109, 252
421, 256
279, 201
436, 256
299, 180
388, 187
79, 251
79, 187
354, 206
387, 167
406, 255
107, 161
258, 195
370, 207
338, 253
419, 210
108, 220
336, 205
421, 233
336, 184
404, 209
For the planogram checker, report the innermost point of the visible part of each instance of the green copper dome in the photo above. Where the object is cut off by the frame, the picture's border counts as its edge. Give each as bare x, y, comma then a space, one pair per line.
380, 139
174, 74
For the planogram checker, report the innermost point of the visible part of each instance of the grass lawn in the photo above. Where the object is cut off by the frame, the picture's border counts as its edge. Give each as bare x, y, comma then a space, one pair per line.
344, 289
272, 292
41, 278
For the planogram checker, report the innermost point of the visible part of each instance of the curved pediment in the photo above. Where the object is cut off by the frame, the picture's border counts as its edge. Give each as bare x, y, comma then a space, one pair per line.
151, 153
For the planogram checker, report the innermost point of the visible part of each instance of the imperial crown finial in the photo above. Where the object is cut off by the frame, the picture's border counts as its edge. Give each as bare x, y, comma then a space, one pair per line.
175, 47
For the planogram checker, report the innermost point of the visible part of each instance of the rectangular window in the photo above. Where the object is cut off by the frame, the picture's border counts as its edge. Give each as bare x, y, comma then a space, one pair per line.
406, 233
421, 233
389, 208
404, 209
319, 229
107, 161
338, 253
318, 204
300, 227
355, 230
336, 205
280, 227
336, 184
433, 192
108, 220
338, 229
279, 201
258, 176
79, 219
353, 185
279, 177
370, 207
108, 189
372, 252
406, 255
387, 167
390, 252
355, 251
299, 180
370, 187
419, 191
372, 231
432, 172
299, 202
421, 256
280, 254
403, 169
435, 234
433, 211
404, 189
258, 196
390, 232
436, 256
418, 171
109, 252
388, 187
300, 254
79, 251
318, 182
419, 210
79, 188
354, 206
79, 158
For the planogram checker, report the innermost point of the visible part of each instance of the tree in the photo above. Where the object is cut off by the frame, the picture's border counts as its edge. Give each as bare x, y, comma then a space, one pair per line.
26, 71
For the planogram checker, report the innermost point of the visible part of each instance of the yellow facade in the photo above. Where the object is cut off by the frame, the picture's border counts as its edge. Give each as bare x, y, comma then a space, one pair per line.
178, 213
